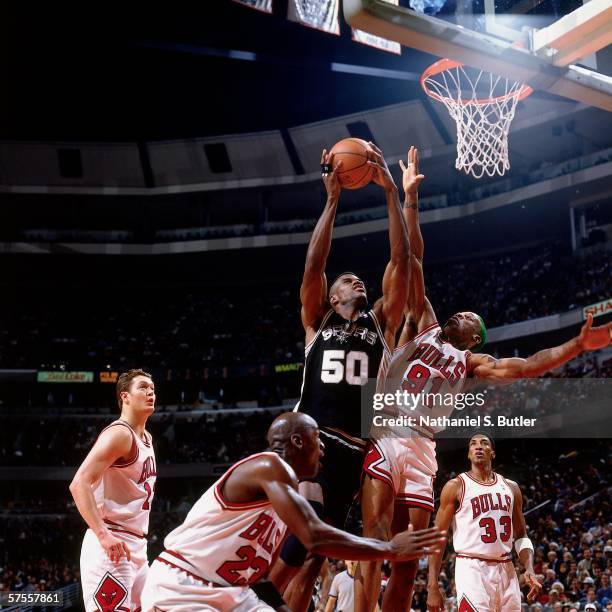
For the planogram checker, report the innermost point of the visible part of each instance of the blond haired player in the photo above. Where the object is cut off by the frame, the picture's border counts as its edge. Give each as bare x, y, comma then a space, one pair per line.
486, 513
431, 359
113, 490
217, 558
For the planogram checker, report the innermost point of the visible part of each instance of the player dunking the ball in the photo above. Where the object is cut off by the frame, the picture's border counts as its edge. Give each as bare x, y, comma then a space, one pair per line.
486, 513
346, 341
430, 359
113, 489
218, 559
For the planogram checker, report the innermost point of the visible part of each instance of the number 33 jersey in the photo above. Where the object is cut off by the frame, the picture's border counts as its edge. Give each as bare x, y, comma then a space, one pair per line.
231, 544
482, 525
341, 360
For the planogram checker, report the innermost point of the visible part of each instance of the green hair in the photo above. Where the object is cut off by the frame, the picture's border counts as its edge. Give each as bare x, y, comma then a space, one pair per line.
483, 335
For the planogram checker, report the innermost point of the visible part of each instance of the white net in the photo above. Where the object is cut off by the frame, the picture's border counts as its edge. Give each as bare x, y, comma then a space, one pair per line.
483, 106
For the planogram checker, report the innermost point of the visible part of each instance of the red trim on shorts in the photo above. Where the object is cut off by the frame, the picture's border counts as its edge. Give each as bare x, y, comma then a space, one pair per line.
123, 529
227, 505
509, 560
428, 328
465, 605
484, 484
423, 497
462, 494
374, 455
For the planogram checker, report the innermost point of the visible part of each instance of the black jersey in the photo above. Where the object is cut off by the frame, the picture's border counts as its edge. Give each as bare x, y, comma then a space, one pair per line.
342, 358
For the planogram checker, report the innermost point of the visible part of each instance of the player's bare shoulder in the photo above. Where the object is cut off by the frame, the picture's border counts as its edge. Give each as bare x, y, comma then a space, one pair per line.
514, 486
453, 489
246, 480
115, 439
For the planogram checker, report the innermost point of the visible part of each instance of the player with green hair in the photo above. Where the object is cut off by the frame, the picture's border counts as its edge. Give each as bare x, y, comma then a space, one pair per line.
431, 360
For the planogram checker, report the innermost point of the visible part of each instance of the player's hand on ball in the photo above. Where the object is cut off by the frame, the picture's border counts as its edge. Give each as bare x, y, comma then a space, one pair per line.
411, 179
593, 338
382, 175
114, 547
435, 599
411, 544
535, 586
330, 179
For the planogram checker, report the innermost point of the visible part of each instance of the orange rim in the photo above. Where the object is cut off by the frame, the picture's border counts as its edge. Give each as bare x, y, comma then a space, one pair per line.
447, 64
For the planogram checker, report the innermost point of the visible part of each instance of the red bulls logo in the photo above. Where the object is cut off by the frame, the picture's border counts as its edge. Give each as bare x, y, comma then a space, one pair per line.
466, 606
110, 594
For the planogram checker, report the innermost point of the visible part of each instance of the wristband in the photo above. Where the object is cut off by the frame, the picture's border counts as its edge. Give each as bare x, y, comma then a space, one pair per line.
522, 544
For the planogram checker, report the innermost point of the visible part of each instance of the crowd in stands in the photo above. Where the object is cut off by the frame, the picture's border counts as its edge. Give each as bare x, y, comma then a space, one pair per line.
223, 333
186, 437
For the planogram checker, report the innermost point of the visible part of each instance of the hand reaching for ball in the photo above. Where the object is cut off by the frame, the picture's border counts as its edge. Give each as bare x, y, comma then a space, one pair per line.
330, 179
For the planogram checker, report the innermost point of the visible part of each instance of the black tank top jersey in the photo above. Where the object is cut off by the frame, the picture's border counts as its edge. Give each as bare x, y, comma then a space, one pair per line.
342, 358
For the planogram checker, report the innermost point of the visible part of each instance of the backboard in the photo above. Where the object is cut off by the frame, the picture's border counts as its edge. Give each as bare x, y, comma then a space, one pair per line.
557, 38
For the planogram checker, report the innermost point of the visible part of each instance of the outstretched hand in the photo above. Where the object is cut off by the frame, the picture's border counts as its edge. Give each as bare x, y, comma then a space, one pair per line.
330, 179
593, 338
411, 179
382, 176
412, 544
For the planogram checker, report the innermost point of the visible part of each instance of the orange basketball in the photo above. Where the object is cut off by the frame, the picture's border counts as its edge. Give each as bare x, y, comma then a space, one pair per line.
355, 171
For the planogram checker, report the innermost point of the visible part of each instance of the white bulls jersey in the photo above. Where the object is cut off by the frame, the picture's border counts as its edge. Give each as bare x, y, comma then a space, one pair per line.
230, 544
426, 366
482, 525
125, 491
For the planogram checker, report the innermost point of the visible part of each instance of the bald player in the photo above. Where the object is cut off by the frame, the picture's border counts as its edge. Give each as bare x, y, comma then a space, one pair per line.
231, 535
430, 359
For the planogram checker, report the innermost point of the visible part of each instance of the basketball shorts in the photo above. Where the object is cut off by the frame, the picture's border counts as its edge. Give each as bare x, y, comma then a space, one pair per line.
340, 475
407, 465
112, 586
486, 586
171, 589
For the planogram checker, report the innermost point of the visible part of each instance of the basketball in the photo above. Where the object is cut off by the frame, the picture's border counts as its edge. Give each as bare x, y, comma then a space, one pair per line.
355, 172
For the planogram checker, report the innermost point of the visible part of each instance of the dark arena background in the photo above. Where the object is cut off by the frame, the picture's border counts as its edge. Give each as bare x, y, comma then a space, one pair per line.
159, 183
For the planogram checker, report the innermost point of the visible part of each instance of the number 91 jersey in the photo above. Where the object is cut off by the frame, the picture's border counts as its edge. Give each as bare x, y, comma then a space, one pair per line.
340, 371
482, 525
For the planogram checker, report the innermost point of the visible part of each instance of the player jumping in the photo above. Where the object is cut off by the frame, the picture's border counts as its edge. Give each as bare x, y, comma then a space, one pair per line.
346, 341
430, 358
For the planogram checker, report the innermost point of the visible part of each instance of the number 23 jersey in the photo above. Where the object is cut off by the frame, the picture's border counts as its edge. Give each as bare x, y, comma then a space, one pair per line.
341, 360
228, 543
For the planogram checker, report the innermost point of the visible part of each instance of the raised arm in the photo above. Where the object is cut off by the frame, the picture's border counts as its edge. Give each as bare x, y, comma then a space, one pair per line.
590, 339
113, 444
313, 292
390, 308
448, 505
320, 538
519, 530
418, 310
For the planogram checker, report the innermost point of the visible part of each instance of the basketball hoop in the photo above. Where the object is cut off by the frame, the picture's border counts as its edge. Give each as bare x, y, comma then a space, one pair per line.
482, 105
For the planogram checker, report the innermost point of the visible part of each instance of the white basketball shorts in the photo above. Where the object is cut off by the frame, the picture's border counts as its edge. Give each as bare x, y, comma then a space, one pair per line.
112, 586
486, 586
